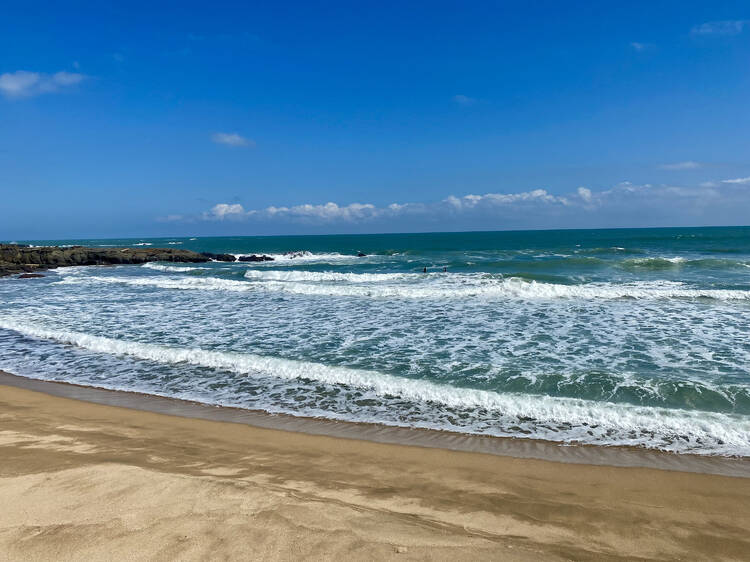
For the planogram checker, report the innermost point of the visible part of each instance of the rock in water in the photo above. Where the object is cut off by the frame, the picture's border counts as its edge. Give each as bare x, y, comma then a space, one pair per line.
219, 257
253, 257
22, 259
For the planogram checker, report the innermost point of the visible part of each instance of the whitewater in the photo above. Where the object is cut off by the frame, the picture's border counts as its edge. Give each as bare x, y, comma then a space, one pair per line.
617, 338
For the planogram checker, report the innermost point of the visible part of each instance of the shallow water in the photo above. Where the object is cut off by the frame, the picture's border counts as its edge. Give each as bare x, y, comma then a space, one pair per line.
620, 337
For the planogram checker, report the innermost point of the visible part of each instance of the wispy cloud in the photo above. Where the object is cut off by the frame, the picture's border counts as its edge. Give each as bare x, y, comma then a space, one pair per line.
461, 99
231, 139
687, 165
640, 47
724, 27
741, 181
171, 218
23, 84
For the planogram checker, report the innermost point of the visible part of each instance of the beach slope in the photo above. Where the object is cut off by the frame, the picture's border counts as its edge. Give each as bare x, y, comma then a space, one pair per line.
86, 481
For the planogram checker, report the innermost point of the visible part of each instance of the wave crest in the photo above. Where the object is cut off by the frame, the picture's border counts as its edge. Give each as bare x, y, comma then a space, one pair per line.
553, 418
433, 286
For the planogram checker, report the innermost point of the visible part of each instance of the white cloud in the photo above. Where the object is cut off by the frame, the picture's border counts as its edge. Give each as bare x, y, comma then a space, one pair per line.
724, 27
709, 184
23, 83
327, 212
585, 194
688, 165
354, 212
225, 210
461, 99
741, 181
497, 199
231, 139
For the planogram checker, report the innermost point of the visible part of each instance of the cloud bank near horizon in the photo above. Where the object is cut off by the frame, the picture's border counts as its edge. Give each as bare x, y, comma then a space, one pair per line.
624, 204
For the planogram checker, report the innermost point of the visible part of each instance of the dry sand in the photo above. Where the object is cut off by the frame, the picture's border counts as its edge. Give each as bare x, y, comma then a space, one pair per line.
81, 481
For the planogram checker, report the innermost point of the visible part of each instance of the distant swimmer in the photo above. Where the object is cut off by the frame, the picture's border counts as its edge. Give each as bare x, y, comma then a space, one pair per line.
445, 270
424, 270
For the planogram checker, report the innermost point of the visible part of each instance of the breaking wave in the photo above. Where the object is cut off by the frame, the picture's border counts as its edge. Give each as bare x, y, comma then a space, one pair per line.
171, 268
521, 415
296, 258
431, 286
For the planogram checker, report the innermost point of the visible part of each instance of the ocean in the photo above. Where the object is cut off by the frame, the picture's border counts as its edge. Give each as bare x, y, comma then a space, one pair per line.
606, 337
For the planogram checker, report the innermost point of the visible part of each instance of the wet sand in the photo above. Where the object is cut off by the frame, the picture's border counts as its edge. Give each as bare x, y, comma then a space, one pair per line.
88, 481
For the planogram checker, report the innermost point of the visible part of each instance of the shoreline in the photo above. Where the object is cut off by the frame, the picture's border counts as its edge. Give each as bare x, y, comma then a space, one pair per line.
519, 448
87, 481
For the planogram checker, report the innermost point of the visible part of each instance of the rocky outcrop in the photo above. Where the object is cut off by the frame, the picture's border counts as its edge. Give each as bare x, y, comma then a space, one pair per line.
253, 257
28, 259
219, 257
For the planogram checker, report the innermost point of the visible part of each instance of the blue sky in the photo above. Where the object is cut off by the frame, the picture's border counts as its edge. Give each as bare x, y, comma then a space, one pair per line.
320, 117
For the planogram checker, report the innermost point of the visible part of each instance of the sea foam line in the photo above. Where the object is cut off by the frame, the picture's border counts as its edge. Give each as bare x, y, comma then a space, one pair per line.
717, 433
435, 287
323, 276
170, 268
292, 258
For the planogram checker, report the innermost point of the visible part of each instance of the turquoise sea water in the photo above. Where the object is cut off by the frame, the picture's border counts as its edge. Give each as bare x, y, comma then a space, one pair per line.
612, 337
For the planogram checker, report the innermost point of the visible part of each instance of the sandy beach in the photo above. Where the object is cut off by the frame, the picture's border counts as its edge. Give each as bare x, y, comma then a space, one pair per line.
88, 481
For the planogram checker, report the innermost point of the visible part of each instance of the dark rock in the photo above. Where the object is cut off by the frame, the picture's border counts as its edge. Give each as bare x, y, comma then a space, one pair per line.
30, 275
19, 259
298, 254
253, 257
361, 255
219, 257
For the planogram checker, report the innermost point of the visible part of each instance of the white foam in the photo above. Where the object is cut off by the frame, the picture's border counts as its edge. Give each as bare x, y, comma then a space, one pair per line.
293, 258
170, 268
670, 429
655, 260
318, 277
441, 287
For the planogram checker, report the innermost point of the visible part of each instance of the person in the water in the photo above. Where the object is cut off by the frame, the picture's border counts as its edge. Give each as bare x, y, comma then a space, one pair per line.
424, 270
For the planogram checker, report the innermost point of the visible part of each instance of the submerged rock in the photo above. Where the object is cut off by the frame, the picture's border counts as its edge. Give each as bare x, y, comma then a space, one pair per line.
361, 254
30, 275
